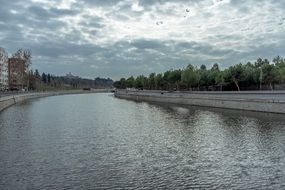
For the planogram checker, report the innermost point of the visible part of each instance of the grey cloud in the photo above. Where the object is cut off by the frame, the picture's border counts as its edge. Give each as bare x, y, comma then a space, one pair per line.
148, 44
100, 2
60, 52
152, 2
93, 22
64, 48
63, 12
41, 13
170, 47
167, 54
245, 6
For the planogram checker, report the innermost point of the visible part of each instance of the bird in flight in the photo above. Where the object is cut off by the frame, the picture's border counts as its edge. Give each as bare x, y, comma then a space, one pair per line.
187, 11
159, 23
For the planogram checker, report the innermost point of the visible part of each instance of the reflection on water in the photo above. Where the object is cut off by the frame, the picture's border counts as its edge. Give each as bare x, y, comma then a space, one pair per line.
97, 141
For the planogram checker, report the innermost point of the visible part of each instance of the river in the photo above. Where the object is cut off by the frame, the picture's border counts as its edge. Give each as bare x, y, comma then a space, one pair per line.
96, 141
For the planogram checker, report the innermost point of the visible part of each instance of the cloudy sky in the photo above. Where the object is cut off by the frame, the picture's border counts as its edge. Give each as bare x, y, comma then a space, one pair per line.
119, 38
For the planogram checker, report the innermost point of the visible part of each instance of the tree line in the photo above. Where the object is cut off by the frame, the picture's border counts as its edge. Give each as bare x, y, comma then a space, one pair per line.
47, 81
259, 75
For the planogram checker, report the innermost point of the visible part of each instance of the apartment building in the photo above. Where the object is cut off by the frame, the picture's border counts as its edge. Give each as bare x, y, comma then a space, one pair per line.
3, 74
16, 73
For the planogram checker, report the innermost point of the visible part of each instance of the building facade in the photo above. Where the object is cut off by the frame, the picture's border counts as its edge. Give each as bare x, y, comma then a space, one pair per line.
17, 78
4, 74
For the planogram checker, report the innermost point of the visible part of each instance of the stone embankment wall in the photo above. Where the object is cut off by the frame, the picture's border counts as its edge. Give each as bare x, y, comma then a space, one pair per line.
10, 100
263, 101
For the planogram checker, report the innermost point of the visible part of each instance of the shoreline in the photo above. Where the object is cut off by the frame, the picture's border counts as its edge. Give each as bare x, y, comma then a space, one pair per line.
259, 101
9, 100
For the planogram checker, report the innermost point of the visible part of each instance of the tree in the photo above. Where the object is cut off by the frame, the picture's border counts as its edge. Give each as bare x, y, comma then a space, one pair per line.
117, 84
48, 78
203, 67
251, 74
204, 76
166, 81
220, 80
269, 74
32, 81
174, 77
236, 77
280, 74
24, 56
130, 82
158, 81
190, 77
141, 82
37, 74
215, 67
279, 62
280, 69
151, 81
213, 75
44, 78
123, 83
260, 62
235, 74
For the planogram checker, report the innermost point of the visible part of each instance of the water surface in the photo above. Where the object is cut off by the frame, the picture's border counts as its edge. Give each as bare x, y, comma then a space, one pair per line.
96, 141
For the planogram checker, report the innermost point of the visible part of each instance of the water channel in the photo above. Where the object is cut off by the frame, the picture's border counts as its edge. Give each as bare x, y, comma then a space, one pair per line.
96, 141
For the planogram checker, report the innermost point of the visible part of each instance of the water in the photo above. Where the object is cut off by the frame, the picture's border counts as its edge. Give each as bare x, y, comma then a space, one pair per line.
95, 141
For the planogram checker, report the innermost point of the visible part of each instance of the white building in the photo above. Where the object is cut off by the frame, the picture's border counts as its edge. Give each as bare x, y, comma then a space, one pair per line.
3, 74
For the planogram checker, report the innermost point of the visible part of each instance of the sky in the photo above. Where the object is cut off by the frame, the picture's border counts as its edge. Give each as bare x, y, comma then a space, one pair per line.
120, 38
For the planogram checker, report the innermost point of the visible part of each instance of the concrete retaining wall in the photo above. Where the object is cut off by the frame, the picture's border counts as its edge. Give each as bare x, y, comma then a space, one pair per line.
263, 101
10, 100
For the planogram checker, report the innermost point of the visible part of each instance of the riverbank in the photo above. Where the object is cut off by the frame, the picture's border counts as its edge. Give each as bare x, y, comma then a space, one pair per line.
261, 101
11, 99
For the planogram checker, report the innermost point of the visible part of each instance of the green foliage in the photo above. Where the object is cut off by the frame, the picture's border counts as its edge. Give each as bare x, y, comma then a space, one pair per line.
44, 82
260, 62
236, 77
279, 61
280, 69
141, 82
130, 83
204, 76
158, 81
214, 75
151, 81
44, 78
203, 68
235, 74
270, 74
190, 77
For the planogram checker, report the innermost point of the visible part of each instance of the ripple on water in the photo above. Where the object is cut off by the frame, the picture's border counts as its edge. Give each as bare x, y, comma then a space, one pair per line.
97, 141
